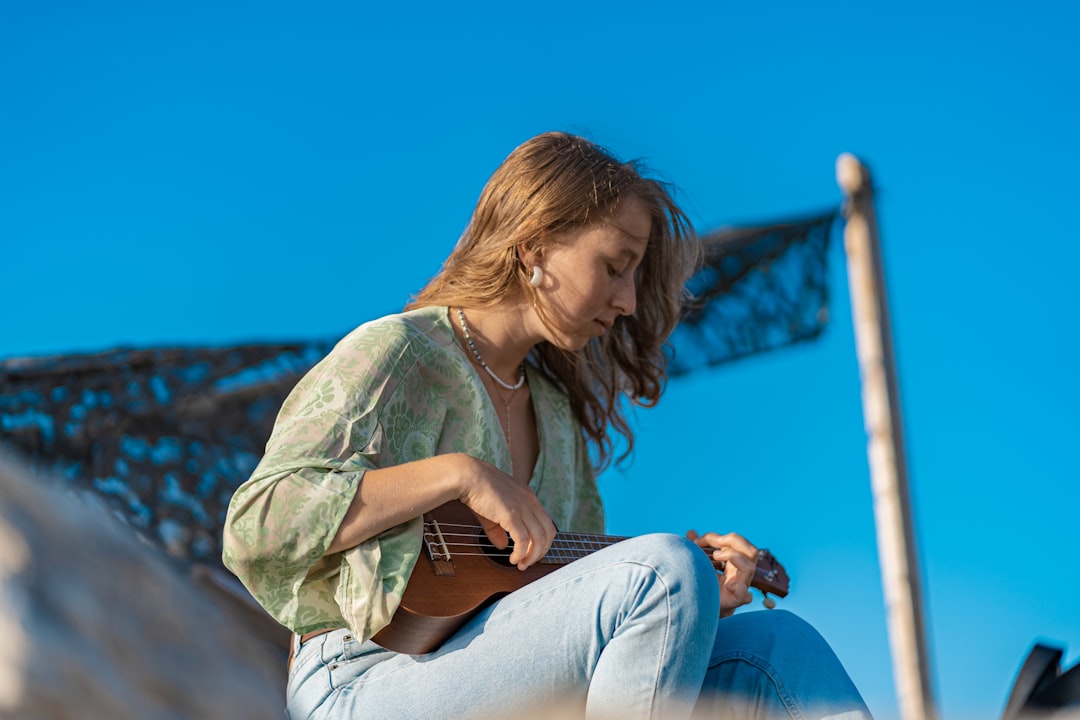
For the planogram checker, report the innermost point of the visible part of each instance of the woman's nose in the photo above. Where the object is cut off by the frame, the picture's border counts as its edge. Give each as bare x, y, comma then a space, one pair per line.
626, 296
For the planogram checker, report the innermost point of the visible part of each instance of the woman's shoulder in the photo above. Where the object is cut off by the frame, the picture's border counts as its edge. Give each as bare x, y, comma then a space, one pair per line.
423, 328
393, 346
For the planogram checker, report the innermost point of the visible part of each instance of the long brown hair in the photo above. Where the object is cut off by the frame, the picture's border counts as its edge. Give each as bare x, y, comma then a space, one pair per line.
552, 183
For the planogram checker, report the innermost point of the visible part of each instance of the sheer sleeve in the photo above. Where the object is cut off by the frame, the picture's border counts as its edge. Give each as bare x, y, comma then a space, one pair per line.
345, 417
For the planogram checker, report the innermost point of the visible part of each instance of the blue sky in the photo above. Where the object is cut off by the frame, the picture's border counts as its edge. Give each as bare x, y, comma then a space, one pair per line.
209, 173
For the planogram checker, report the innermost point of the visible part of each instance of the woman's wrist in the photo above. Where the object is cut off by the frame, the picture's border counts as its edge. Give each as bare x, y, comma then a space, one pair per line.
464, 474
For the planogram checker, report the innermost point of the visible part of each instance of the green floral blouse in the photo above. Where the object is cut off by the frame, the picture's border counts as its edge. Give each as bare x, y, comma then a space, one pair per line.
394, 390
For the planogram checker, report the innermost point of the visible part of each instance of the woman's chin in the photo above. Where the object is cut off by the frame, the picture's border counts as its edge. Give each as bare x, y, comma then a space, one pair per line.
571, 343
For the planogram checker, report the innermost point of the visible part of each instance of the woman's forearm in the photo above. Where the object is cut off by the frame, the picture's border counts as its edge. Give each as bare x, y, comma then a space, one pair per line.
390, 496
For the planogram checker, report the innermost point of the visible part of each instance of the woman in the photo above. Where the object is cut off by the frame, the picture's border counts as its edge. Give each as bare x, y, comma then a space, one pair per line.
500, 387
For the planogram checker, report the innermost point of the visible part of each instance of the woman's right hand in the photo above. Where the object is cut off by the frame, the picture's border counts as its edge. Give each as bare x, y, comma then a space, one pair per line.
508, 511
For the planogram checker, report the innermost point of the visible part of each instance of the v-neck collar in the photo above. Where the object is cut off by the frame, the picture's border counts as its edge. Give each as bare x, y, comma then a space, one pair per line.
539, 409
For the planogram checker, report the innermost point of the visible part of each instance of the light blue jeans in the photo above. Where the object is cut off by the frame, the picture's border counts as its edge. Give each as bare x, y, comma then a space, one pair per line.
631, 631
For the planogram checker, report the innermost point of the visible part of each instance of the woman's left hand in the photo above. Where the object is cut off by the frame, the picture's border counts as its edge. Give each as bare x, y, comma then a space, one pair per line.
739, 556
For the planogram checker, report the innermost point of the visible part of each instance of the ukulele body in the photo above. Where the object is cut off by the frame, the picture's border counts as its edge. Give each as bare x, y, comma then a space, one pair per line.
459, 573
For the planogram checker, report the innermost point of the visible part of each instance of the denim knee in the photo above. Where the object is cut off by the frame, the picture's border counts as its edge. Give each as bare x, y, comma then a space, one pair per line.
684, 566
777, 635
778, 661
771, 626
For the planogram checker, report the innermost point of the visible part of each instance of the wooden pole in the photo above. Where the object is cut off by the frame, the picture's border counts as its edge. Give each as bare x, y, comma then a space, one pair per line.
885, 447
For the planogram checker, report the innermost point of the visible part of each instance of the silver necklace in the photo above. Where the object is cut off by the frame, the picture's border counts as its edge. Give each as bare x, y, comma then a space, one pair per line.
479, 359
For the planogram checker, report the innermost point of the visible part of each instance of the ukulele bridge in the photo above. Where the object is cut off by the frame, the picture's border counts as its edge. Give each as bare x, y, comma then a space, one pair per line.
437, 551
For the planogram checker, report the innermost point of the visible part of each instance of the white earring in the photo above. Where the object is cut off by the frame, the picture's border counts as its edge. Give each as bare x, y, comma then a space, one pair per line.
537, 276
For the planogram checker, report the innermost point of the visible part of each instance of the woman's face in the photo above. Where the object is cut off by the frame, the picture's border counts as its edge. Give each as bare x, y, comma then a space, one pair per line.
589, 275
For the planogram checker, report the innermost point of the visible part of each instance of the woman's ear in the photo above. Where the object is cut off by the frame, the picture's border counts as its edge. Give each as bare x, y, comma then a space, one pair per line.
529, 252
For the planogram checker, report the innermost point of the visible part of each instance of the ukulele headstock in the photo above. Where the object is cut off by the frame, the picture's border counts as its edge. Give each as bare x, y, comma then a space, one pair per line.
770, 577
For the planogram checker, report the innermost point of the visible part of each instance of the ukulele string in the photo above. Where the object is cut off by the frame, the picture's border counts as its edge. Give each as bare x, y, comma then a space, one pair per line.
576, 547
461, 539
562, 539
563, 550
569, 542
467, 530
451, 540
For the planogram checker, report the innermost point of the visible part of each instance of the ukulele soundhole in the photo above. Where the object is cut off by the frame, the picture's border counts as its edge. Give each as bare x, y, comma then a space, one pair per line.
499, 557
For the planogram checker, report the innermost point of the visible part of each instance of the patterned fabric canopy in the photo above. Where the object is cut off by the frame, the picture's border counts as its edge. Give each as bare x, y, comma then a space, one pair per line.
760, 288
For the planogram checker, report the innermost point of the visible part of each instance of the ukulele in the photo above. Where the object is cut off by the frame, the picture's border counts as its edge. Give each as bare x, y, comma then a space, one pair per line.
461, 572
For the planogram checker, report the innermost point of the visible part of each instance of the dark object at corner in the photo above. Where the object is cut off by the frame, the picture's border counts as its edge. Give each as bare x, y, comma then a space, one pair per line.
1041, 690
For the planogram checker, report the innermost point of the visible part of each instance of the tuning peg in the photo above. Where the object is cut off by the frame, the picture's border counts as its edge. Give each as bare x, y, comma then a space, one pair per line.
768, 601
